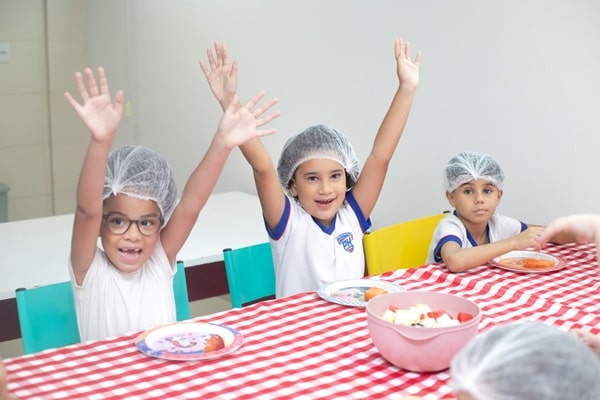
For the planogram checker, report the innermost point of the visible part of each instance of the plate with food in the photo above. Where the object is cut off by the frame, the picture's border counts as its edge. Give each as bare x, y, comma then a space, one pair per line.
189, 341
529, 261
356, 292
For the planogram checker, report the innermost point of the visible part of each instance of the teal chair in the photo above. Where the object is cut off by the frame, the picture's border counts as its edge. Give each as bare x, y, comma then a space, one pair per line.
250, 274
48, 319
182, 303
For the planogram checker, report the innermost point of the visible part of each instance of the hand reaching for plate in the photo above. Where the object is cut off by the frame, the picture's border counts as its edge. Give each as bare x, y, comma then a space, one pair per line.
585, 228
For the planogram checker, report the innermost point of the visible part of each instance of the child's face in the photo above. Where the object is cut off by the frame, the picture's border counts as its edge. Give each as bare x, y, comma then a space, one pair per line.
320, 186
130, 250
475, 201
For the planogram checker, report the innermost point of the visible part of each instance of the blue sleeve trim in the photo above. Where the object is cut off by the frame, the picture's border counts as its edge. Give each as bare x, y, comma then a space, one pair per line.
365, 223
276, 233
450, 238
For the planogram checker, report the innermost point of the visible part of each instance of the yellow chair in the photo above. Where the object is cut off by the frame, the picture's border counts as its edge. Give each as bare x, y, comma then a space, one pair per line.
402, 245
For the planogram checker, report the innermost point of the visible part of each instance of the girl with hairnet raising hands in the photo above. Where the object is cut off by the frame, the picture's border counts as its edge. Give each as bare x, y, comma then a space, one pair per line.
317, 203
129, 197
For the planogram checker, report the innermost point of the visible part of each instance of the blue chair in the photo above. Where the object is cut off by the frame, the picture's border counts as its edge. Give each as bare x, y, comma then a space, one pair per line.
250, 274
48, 319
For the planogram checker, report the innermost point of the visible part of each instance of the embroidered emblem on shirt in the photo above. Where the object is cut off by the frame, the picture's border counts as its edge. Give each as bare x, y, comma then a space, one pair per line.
345, 239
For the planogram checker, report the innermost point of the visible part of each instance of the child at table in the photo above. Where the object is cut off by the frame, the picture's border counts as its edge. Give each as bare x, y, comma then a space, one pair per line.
474, 234
316, 206
127, 285
525, 360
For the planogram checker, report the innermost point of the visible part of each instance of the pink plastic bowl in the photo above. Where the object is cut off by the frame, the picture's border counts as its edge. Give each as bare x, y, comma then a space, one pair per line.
420, 349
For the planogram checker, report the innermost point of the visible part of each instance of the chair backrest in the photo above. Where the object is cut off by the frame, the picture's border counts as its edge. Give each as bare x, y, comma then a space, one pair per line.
402, 245
47, 317
250, 274
182, 303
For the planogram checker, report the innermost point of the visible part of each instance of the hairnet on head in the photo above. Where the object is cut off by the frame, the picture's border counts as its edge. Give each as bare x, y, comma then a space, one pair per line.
526, 360
468, 166
141, 173
319, 141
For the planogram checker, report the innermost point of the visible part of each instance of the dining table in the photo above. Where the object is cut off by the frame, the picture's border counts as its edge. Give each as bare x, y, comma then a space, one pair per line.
306, 347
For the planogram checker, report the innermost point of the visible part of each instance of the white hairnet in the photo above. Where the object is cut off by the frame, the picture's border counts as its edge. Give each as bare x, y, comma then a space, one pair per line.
526, 360
141, 173
468, 166
319, 141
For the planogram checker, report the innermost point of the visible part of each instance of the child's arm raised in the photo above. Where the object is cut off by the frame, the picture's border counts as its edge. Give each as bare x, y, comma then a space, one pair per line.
102, 118
221, 75
370, 181
237, 126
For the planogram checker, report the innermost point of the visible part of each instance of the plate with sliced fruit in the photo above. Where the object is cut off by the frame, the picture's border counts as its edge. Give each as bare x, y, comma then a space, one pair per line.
356, 292
189, 341
529, 262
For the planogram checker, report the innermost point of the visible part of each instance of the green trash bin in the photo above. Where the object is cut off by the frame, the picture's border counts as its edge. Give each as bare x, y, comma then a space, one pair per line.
4, 188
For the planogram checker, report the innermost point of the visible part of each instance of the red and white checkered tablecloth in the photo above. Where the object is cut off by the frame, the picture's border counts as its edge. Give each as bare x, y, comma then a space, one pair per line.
302, 347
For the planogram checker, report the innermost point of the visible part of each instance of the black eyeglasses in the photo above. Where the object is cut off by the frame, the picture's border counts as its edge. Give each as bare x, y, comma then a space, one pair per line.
119, 224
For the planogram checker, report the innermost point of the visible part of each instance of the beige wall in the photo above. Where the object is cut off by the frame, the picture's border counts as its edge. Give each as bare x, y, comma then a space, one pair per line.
38, 140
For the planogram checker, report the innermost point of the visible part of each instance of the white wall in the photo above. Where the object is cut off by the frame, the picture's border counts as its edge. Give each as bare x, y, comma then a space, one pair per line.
517, 79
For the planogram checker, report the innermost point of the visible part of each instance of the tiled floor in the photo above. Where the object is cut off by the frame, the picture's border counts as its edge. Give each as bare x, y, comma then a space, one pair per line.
13, 348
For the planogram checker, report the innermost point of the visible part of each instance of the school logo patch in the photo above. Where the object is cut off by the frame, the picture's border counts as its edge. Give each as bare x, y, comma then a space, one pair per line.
345, 239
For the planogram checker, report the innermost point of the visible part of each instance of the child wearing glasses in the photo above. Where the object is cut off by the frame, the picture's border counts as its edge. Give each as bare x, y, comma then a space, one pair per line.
316, 205
129, 198
474, 233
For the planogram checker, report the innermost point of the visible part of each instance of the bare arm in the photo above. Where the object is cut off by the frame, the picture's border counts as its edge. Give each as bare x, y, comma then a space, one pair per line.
4, 393
580, 228
369, 184
269, 190
102, 118
237, 126
458, 259
221, 75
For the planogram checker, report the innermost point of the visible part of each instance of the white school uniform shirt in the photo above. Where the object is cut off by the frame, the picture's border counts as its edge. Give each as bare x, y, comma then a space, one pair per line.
451, 228
111, 302
308, 255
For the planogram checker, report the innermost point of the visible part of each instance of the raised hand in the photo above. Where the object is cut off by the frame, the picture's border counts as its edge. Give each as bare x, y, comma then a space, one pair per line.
238, 124
221, 74
406, 68
98, 112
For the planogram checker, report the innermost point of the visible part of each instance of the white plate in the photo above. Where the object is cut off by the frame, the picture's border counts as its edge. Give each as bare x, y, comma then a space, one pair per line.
188, 341
513, 261
352, 292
